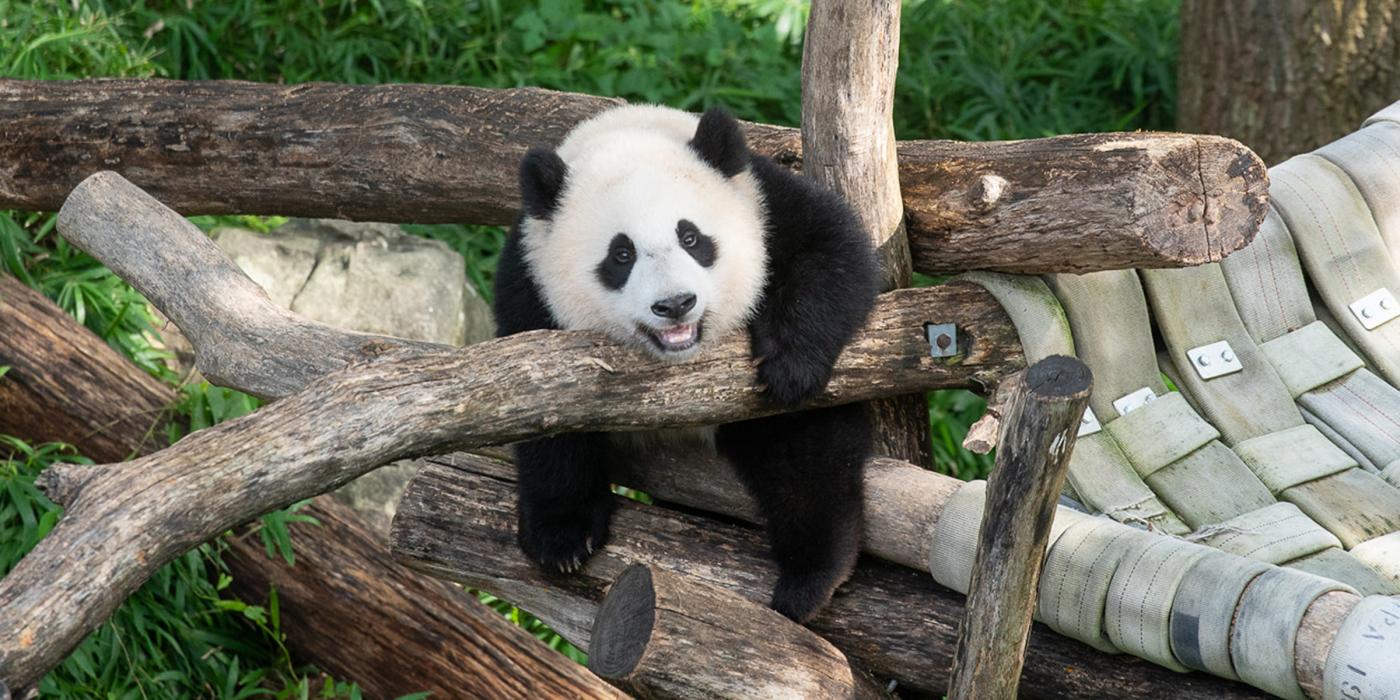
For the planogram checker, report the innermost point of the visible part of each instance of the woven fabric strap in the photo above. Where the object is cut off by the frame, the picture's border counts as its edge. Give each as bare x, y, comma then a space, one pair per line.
1290, 457
1364, 410
1371, 157
1276, 534
1266, 282
1075, 580
1382, 554
1340, 565
1341, 248
1390, 113
1040, 322
1362, 663
1204, 610
1138, 614
1104, 479
1160, 433
1391, 473
1309, 357
1266, 628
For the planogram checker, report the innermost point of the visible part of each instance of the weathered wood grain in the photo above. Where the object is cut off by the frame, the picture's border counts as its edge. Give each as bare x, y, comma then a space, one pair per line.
1038, 427
346, 606
459, 523
391, 400
663, 634
425, 153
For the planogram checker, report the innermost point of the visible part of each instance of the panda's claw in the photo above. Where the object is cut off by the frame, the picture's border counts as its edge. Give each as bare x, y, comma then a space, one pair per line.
563, 542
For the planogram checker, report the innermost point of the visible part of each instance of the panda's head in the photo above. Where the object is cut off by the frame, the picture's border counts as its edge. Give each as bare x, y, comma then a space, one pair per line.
647, 224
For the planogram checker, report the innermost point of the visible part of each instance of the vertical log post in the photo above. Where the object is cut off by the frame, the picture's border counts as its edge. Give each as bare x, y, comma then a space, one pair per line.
1037, 434
662, 634
849, 63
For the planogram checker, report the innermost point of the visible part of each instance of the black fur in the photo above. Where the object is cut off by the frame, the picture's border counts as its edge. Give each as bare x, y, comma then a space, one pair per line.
720, 142
703, 249
803, 468
542, 174
614, 269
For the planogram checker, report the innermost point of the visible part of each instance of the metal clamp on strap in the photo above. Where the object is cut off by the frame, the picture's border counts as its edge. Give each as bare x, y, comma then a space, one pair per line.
1382, 554
1160, 432
1362, 661
1290, 457
1375, 308
1310, 357
1266, 628
1275, 534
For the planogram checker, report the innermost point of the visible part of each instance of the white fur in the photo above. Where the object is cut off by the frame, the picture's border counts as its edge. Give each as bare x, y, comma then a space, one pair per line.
631, 171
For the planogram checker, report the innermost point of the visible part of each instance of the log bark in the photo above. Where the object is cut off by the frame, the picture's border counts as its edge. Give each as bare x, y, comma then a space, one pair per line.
849, 60
1286, 76
66, 385
458, 522
423, 153
346, 606
1037, 436
351, 609
666, 635
393, 400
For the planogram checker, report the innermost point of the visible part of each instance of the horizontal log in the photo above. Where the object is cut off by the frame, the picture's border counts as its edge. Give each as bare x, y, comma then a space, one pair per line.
667, 635
393, 400
458, 522
433, 153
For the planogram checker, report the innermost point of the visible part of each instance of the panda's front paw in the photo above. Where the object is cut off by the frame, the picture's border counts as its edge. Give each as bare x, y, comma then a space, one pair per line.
564, 541
791, 380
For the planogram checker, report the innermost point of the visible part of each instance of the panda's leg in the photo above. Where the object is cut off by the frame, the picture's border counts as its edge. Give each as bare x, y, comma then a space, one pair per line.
565, 500
804, 470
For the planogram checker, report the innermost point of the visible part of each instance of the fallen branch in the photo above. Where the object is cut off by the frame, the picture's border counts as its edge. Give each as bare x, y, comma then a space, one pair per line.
427, 153
393, 400
458, 522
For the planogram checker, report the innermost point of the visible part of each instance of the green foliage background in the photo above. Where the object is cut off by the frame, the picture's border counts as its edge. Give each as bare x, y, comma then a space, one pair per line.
996, 69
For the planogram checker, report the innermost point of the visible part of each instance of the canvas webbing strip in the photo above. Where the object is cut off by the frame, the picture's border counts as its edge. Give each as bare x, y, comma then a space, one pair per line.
1204, 610
1391, 473
1274, 534
1390, 113
1364, 410
1341, 249
1337, 439
953, 550
1075, 580
1193, 307
1382, 554
1371, 157
1309, 357
1294, 456
1209, 486
1340, 565
1362, 664
1160, 433
1266, 628
1138, 614
1266, 282
1039, 320
1353, 505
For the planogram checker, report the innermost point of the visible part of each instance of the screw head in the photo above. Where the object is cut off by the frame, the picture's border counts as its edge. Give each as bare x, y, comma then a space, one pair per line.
943, 341
1202, 360
1367, 312
1227, 356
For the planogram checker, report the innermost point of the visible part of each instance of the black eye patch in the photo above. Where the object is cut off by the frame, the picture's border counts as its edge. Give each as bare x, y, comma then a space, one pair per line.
700, 246
616, 266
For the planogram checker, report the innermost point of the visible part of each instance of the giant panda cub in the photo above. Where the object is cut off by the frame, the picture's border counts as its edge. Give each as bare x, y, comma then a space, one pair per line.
662, 230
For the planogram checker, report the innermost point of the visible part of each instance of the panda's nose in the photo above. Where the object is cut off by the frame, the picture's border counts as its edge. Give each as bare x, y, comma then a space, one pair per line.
674, 307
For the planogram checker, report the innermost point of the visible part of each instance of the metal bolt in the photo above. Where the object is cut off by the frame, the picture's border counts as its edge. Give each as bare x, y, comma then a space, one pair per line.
1227, 356
1366, 312
1149, 398
943, 341
1202, 360
1385, 303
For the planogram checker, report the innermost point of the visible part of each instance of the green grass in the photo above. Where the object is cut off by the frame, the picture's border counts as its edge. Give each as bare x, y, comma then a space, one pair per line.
999, 69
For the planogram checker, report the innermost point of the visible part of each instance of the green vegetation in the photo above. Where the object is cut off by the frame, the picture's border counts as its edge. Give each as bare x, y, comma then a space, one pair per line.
969, 70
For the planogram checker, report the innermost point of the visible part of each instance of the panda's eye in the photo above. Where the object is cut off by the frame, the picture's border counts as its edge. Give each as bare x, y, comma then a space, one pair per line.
690, 239
622, 256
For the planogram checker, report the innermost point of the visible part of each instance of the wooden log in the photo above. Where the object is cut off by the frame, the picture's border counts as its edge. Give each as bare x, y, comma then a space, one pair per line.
1037, 436
849, 60
458, 522
346, 606
663, 634
394, 400
425, 153
66, 385
359, 615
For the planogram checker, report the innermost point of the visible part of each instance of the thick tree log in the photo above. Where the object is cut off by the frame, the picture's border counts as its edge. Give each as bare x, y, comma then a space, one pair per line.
347, 606
394, 400
1037, 437
849, 60
66, 385
354, 611
427, 153
666, 635
460, 524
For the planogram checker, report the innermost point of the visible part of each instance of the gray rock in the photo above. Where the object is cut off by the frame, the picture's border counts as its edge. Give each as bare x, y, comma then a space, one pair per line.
367, 277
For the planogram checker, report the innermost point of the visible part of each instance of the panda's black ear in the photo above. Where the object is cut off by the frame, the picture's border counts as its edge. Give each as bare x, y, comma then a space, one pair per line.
720, 142
542, 175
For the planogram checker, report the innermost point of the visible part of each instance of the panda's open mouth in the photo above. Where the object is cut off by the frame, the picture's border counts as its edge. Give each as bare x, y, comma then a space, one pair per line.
677, 338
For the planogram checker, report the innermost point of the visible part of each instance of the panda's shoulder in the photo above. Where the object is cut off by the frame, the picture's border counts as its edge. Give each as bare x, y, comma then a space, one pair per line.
518, 304
798, 202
